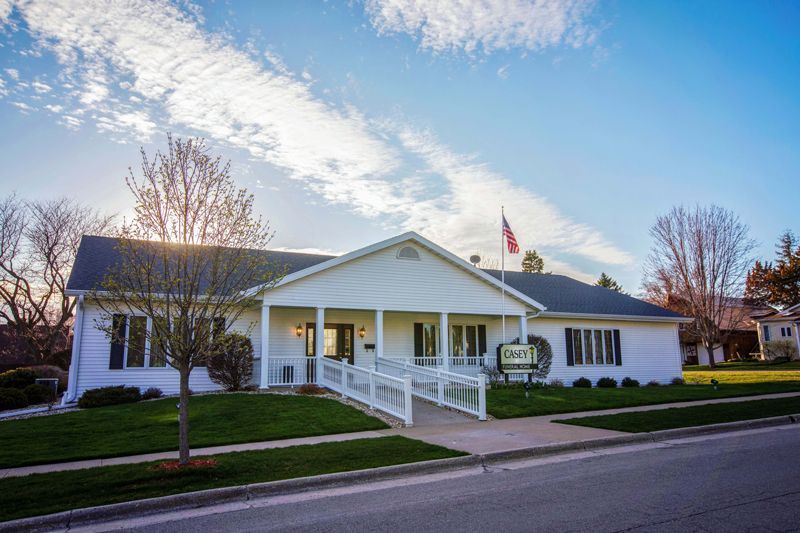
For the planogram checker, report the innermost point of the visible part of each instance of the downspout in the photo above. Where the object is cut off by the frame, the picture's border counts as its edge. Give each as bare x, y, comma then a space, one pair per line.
77, 331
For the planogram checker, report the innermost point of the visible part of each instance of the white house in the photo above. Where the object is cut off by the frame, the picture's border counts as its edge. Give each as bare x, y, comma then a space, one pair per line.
404, 298
774, 325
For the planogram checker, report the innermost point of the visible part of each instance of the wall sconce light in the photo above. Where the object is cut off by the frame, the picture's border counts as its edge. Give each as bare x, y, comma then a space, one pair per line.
362, 332
299, 330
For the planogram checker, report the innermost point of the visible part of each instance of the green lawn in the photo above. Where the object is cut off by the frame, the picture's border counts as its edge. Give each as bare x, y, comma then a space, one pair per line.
152, 426
747, 365
511, 402
41, 494
700, 415
741, 376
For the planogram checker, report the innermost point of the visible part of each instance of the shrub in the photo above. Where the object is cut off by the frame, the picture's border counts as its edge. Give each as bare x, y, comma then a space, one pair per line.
230, 363
310, 389
493, 375
582, 382
780, 350
607, 383
52, 372
19, 378
12, 399
152, 393
38, 393
676, 381
109, 396
556, 383
629, 382
653, 383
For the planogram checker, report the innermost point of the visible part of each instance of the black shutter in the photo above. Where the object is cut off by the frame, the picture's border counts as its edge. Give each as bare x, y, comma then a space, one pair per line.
617, 349
481, 339
570, 354
116, 360
419, 351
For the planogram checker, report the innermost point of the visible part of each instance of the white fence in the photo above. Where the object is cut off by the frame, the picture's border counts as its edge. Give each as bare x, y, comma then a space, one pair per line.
291, 371
389, 394
458, 391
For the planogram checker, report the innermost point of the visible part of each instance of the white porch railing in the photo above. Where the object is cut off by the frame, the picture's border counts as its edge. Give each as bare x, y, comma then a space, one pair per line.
291, 371
458, 391
392, 395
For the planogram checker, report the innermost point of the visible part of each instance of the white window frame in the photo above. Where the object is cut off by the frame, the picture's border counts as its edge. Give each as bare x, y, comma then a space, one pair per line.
594, 351
464, 340
146, 359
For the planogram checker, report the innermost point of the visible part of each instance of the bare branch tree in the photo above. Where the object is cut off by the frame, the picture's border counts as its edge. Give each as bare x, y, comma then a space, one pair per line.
38, 243
189, 258
698, 265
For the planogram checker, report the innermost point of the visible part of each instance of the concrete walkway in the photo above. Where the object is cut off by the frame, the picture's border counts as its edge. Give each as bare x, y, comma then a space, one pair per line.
436, 426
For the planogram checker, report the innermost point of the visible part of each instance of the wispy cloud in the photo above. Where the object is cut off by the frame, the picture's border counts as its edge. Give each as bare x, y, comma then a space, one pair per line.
502, 72
487, 25
132, 69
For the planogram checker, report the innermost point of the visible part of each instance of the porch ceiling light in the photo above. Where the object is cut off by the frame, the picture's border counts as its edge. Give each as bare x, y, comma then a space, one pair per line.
299, 329
362, 332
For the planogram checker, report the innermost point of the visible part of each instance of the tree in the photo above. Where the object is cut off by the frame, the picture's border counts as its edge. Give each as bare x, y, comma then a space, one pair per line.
777, 284
38, 243
699, 260
532, 262
190, 261
609, 283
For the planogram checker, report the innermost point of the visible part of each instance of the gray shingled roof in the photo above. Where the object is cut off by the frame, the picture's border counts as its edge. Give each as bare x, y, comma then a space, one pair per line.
559, 294
97, 254
562, 294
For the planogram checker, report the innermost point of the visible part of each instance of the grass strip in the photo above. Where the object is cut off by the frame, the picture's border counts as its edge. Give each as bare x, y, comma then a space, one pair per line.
148, 427
511, 402
41, 494
681, 417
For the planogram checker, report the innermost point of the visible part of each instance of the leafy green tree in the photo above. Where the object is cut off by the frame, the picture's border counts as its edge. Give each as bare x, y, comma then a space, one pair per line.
777, 283
609, 283
532, 262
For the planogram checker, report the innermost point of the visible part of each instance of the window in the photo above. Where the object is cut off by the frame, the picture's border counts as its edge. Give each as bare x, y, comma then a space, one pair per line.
157, 358
137, 337
766, 334
338, 340
471, 342
429, 340
205, 330
593, 346
407, 252
457, 341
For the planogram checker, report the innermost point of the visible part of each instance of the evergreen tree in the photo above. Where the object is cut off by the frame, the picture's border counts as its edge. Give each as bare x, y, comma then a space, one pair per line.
532, 262
609, 283
778, 283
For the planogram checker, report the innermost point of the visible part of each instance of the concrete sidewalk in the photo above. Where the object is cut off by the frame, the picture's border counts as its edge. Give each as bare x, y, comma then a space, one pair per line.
447, 428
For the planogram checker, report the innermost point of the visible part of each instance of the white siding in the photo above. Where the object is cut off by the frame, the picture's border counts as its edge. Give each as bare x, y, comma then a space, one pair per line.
650, 350
381, 281
95, 349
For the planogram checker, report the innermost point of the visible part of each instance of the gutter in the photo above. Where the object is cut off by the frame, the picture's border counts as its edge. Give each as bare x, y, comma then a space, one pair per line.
628, 318
72, 380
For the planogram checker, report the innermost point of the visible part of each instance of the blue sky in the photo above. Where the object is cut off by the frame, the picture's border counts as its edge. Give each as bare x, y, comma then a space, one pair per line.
355, 121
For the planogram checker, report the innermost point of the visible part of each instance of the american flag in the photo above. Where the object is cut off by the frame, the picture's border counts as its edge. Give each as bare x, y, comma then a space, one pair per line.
513, 247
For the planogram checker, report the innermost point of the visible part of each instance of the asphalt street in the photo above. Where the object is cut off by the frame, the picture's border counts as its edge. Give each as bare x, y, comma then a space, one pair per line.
744, 482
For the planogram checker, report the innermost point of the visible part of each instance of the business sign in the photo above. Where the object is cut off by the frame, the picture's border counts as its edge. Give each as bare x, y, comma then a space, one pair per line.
517, 358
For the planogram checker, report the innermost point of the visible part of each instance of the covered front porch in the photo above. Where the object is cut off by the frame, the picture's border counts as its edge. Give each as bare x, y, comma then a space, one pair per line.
457, 343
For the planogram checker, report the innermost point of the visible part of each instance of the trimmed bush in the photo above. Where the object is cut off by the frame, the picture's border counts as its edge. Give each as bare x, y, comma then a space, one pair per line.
12, 399
109, 396
230, 363
607, 383
556, 383
676, 381
653, 383
38, 393
582, 382
152, 393
19, 378
52, 372
629, 382
310, 389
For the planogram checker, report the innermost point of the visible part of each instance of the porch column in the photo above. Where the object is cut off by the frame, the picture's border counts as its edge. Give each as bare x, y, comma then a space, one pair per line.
75, 360
523, 329
319, 340
264, 326
444, 341
378, 335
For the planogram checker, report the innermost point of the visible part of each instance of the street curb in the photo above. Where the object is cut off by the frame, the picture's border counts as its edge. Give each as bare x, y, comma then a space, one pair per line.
244, 493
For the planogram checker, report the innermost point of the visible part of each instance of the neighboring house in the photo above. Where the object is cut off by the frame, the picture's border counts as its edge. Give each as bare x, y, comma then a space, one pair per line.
393, 299
737, 328
774, 325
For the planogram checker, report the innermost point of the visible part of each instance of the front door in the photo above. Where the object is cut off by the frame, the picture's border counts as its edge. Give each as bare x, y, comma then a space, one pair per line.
339, 342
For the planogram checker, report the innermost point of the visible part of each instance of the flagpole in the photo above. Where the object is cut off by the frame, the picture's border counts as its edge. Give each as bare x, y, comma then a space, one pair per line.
503, 272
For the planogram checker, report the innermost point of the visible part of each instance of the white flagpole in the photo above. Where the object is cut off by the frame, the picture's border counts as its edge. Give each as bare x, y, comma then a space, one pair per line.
503, 271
